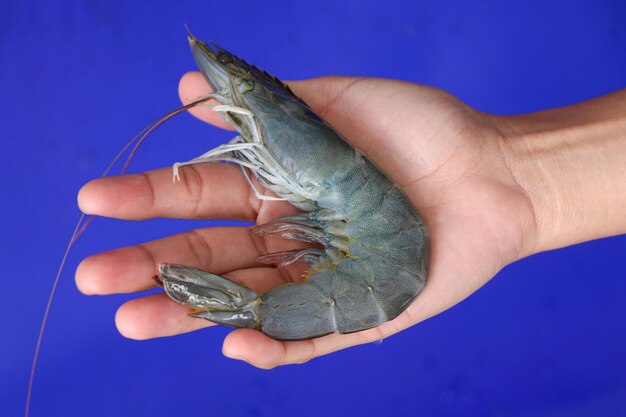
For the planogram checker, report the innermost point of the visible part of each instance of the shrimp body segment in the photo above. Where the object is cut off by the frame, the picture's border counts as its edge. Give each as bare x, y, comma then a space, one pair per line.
376, 246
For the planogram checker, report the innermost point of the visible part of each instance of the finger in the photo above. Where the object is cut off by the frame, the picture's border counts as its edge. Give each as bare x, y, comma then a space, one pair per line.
215, 249
206, 191
318, 93
336, 101
193, 85
264, 352
158, 316
155, 316
347, 104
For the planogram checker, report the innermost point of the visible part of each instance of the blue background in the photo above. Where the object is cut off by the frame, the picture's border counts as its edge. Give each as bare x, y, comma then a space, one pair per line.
546, 337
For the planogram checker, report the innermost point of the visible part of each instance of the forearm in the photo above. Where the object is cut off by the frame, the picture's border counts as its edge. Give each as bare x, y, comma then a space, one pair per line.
571, 162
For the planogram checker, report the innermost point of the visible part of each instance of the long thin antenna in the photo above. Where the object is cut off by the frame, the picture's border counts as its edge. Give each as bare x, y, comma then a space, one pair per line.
139, 138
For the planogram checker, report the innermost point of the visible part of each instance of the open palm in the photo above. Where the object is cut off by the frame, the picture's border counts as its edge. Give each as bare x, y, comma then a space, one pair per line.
449, 159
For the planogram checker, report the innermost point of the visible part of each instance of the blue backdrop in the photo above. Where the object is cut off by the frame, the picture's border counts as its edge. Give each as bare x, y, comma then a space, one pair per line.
546, 337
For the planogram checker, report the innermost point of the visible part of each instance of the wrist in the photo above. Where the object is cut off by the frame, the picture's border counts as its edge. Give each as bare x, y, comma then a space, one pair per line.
571, 164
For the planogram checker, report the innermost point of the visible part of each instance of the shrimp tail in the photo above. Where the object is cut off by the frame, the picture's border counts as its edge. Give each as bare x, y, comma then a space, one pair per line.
210, 296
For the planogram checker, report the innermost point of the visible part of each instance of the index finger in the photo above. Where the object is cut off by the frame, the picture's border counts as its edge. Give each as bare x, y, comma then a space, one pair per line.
192, 85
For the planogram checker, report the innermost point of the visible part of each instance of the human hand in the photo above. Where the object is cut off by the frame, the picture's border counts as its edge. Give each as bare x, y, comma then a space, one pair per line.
458, 166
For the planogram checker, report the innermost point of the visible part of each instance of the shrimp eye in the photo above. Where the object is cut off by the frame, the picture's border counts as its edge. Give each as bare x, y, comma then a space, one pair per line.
246, 85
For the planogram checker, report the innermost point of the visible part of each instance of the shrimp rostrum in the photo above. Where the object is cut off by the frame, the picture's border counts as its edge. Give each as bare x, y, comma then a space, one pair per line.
376, 248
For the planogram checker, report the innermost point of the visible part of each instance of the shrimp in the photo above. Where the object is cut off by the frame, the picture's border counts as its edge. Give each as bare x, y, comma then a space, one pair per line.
376, 247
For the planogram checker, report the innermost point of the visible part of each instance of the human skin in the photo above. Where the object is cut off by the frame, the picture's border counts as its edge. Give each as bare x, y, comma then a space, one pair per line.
491, 189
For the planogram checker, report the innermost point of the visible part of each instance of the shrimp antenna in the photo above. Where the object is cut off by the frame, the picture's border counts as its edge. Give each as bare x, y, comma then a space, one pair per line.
84, 222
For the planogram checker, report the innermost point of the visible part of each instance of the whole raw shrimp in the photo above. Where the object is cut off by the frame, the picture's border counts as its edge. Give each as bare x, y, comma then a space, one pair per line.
374, 260
451, 160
